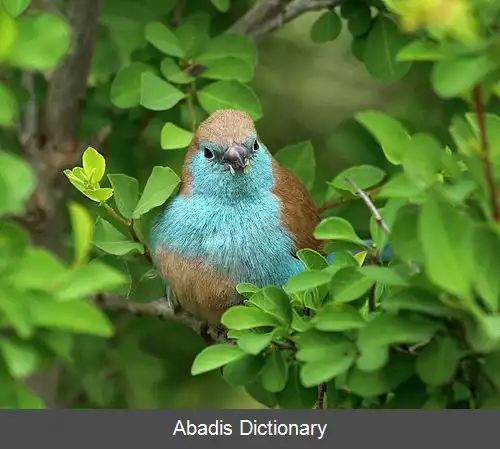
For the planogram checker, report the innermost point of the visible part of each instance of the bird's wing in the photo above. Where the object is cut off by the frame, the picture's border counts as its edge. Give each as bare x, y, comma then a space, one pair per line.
298, 209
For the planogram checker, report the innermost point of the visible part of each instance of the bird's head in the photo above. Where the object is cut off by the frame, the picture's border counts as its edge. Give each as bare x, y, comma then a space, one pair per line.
226, 157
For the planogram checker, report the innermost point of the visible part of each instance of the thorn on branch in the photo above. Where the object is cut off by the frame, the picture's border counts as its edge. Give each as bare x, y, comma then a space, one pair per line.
374, 211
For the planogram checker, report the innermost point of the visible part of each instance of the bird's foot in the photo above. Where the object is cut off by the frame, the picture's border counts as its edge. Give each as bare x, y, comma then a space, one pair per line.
214, 334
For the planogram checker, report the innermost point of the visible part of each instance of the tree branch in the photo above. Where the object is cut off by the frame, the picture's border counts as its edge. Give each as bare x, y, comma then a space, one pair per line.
485, 153
268, 15
161, 308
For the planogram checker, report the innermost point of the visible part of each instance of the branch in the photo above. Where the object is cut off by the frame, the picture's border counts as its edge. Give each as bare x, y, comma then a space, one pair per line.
268, 15
343, 201
364, 196
69, 81
485, 152
161, 308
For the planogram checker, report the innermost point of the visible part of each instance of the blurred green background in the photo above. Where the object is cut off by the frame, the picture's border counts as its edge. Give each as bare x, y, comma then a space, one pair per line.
308, 91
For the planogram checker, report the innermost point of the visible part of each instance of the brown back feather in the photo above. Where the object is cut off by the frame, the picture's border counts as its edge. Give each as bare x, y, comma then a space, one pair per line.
298, 209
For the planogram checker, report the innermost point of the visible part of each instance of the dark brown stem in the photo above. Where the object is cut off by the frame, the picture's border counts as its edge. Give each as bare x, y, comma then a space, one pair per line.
485, 152
320, 401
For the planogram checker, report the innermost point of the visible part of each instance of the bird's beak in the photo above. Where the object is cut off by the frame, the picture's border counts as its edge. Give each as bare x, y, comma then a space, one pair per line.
236, 158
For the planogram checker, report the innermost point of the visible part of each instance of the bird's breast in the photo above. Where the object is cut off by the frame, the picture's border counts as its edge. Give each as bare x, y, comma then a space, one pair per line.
244, 240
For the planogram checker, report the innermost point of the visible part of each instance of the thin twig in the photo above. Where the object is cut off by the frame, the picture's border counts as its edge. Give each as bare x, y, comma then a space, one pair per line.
343, 201
320, 401
485, 152
364, 196
372, 305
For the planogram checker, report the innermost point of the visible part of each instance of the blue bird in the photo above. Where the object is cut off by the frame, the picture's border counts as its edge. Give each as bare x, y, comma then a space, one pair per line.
239, 217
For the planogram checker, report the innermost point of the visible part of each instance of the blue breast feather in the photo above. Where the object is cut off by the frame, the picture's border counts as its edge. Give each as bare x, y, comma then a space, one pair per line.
232, 223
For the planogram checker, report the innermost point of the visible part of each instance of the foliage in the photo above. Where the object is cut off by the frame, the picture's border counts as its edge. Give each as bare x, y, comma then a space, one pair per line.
418, 332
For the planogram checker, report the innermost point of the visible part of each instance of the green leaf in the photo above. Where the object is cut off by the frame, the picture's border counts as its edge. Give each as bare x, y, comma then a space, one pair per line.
336, 228
311, 259
306, 280
194, 33
112, 241
230, 45
492, 125
42, 41
295, 395
98, 195
390, 134
8, 106
491, 367
438, 361
213, 357
453, 77
221, 5
160, 185
386, 330
21, 358
417, 301
15, 7
15, 305
229, 68
299, 158
421, 50
81, 223
89, 279
36, 268
172, 72
360, 21
157, 94
173, 137
17, 175
404, 237
373, 358
487, 259
384, 275
315, 373
380, 55
76, 316
126, 193
446, 239
242, 371
146, 285
127, 85
274, 301
242, 317
257, 392
422, 159
338, 318
163, 39
348, 284
230, 95
315, 346
371, 384
274, 374
364, 176
250, 341
400, 186
94, 165
246, 290
327, 27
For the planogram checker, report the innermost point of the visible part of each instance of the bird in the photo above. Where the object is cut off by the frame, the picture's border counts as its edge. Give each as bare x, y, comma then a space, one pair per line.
238, 217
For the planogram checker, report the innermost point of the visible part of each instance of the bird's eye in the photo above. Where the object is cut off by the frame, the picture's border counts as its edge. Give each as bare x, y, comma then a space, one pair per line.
208, 154
255, 145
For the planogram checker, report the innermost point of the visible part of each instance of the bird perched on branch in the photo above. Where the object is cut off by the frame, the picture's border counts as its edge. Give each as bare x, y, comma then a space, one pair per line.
239, 217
